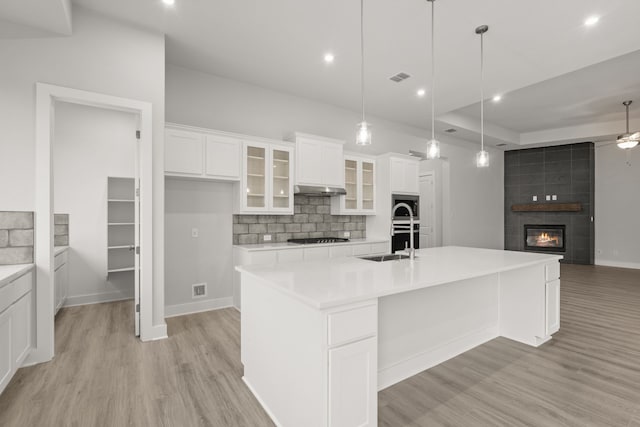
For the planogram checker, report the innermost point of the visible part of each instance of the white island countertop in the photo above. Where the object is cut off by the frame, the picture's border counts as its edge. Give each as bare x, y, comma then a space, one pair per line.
334, 282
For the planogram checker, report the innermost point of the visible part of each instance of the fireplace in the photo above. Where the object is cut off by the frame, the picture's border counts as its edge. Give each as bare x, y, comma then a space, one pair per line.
544, 238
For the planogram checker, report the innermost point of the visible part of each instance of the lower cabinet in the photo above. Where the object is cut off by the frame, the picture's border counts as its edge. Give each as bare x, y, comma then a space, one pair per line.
552, 306
353, 372
16, 321
60, 280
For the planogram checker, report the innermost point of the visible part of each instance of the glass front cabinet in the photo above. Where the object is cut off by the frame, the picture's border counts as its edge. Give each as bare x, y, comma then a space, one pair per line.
267, 184
359, 182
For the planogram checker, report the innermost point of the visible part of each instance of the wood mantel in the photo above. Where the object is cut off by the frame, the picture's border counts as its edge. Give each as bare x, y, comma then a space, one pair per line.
547, 207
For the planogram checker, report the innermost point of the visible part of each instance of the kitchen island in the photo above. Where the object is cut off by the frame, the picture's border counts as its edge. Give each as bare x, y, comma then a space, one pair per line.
320, 338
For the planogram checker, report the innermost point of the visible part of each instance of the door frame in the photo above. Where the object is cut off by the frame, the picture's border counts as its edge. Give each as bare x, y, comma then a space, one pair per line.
46, 95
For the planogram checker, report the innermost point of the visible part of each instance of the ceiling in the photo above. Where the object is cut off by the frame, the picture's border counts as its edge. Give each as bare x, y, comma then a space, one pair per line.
552, 70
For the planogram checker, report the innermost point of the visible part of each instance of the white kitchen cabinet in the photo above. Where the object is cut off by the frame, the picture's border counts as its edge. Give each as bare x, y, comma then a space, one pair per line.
552, 307
60, 280
222, 157
319, 161
266, 185
16, 321
202, 153
353, 372
183, 152
359, 182
404, 175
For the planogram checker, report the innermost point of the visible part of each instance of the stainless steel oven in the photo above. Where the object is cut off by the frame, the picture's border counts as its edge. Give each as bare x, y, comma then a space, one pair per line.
403, 213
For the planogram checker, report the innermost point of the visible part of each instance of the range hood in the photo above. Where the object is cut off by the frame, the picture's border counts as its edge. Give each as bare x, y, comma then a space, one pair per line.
316, 190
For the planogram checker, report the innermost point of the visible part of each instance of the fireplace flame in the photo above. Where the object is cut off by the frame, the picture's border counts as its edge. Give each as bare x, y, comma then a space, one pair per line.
546, 239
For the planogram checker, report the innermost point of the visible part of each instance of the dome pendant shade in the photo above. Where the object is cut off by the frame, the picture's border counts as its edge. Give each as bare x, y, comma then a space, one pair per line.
628, 140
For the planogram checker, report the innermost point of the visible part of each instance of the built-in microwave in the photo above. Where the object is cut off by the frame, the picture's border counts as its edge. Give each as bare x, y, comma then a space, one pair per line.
402, 212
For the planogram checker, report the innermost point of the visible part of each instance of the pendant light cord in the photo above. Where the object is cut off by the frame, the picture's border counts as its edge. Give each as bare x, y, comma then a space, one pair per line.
482, 92
627, 118
433, 72
362, 55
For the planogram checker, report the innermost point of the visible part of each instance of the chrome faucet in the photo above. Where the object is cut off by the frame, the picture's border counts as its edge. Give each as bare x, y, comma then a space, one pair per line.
411, 249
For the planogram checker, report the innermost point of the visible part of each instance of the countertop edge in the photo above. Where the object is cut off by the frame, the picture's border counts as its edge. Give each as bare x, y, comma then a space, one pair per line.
57, 250
8, 273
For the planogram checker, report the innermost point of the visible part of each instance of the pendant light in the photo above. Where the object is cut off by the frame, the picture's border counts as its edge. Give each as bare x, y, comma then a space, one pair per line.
363, 135
433, 145
482, 157
628, 140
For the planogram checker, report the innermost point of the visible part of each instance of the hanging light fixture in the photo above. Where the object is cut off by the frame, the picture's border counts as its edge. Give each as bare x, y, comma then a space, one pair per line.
482, 157
433, 145
628, 140
363, 135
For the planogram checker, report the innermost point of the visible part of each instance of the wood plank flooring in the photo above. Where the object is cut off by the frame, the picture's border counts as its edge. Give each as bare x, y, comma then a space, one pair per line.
588, 375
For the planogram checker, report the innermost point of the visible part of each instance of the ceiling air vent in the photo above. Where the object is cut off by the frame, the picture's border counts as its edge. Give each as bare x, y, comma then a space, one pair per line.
399, 77
500, 145
450, 130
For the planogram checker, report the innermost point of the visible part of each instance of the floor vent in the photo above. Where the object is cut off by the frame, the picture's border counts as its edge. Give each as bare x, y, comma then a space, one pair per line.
399, 77
199, 290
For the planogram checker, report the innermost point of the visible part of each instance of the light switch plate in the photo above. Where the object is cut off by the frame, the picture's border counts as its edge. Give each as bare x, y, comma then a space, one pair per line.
535, 198
554, 197
267, 237
548, 197
347, 234
194, 232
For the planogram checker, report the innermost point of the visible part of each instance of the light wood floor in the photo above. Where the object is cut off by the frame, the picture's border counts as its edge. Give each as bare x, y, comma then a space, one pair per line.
588, 375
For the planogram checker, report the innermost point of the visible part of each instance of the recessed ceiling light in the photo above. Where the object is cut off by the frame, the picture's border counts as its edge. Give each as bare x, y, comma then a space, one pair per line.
328, 58
169, 2
592, 20
497, 98
421, 92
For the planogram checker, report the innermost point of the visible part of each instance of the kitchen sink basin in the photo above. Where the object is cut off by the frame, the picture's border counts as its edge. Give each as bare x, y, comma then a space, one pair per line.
386, 257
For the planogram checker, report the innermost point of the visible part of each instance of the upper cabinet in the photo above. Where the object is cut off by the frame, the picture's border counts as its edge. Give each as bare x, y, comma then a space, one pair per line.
267, 184
359, 182
403, 174
319, 161
202, 153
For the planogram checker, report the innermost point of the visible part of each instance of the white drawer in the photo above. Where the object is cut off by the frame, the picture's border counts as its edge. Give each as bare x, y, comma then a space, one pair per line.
290, 255
552, 271
59, 259
23, 284
353, 324
6, 296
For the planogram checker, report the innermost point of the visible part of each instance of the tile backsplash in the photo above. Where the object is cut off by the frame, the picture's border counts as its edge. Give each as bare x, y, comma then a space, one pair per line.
61, 229
16, 237
312, 218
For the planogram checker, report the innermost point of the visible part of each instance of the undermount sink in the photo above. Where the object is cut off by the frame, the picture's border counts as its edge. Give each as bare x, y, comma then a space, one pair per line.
386, 257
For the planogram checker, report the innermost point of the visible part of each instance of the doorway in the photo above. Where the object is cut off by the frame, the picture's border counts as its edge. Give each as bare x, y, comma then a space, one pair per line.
46, 97
100, 146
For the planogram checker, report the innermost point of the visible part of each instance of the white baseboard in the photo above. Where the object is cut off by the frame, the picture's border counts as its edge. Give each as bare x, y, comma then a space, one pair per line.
72, 301
413, 365
621, 264
262, 403
197, 306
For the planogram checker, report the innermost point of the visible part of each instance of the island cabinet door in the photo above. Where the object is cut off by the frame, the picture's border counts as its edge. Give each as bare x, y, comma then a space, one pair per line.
353, 395
552, 307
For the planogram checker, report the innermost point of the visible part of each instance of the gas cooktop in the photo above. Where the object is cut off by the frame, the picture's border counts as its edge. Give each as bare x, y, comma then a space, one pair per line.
318, 240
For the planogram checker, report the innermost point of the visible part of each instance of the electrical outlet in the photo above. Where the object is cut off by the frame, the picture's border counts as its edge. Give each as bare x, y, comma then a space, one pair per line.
199, 290
194, 232
267, 237
554, 197
347, 235
535, 198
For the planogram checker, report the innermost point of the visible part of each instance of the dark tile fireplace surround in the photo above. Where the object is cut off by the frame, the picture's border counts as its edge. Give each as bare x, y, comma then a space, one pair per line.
566, 171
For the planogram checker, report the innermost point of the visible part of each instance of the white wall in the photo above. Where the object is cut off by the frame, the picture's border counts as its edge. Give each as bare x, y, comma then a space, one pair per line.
207, 258
475, 196
91, 144
617, 206
101, 56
